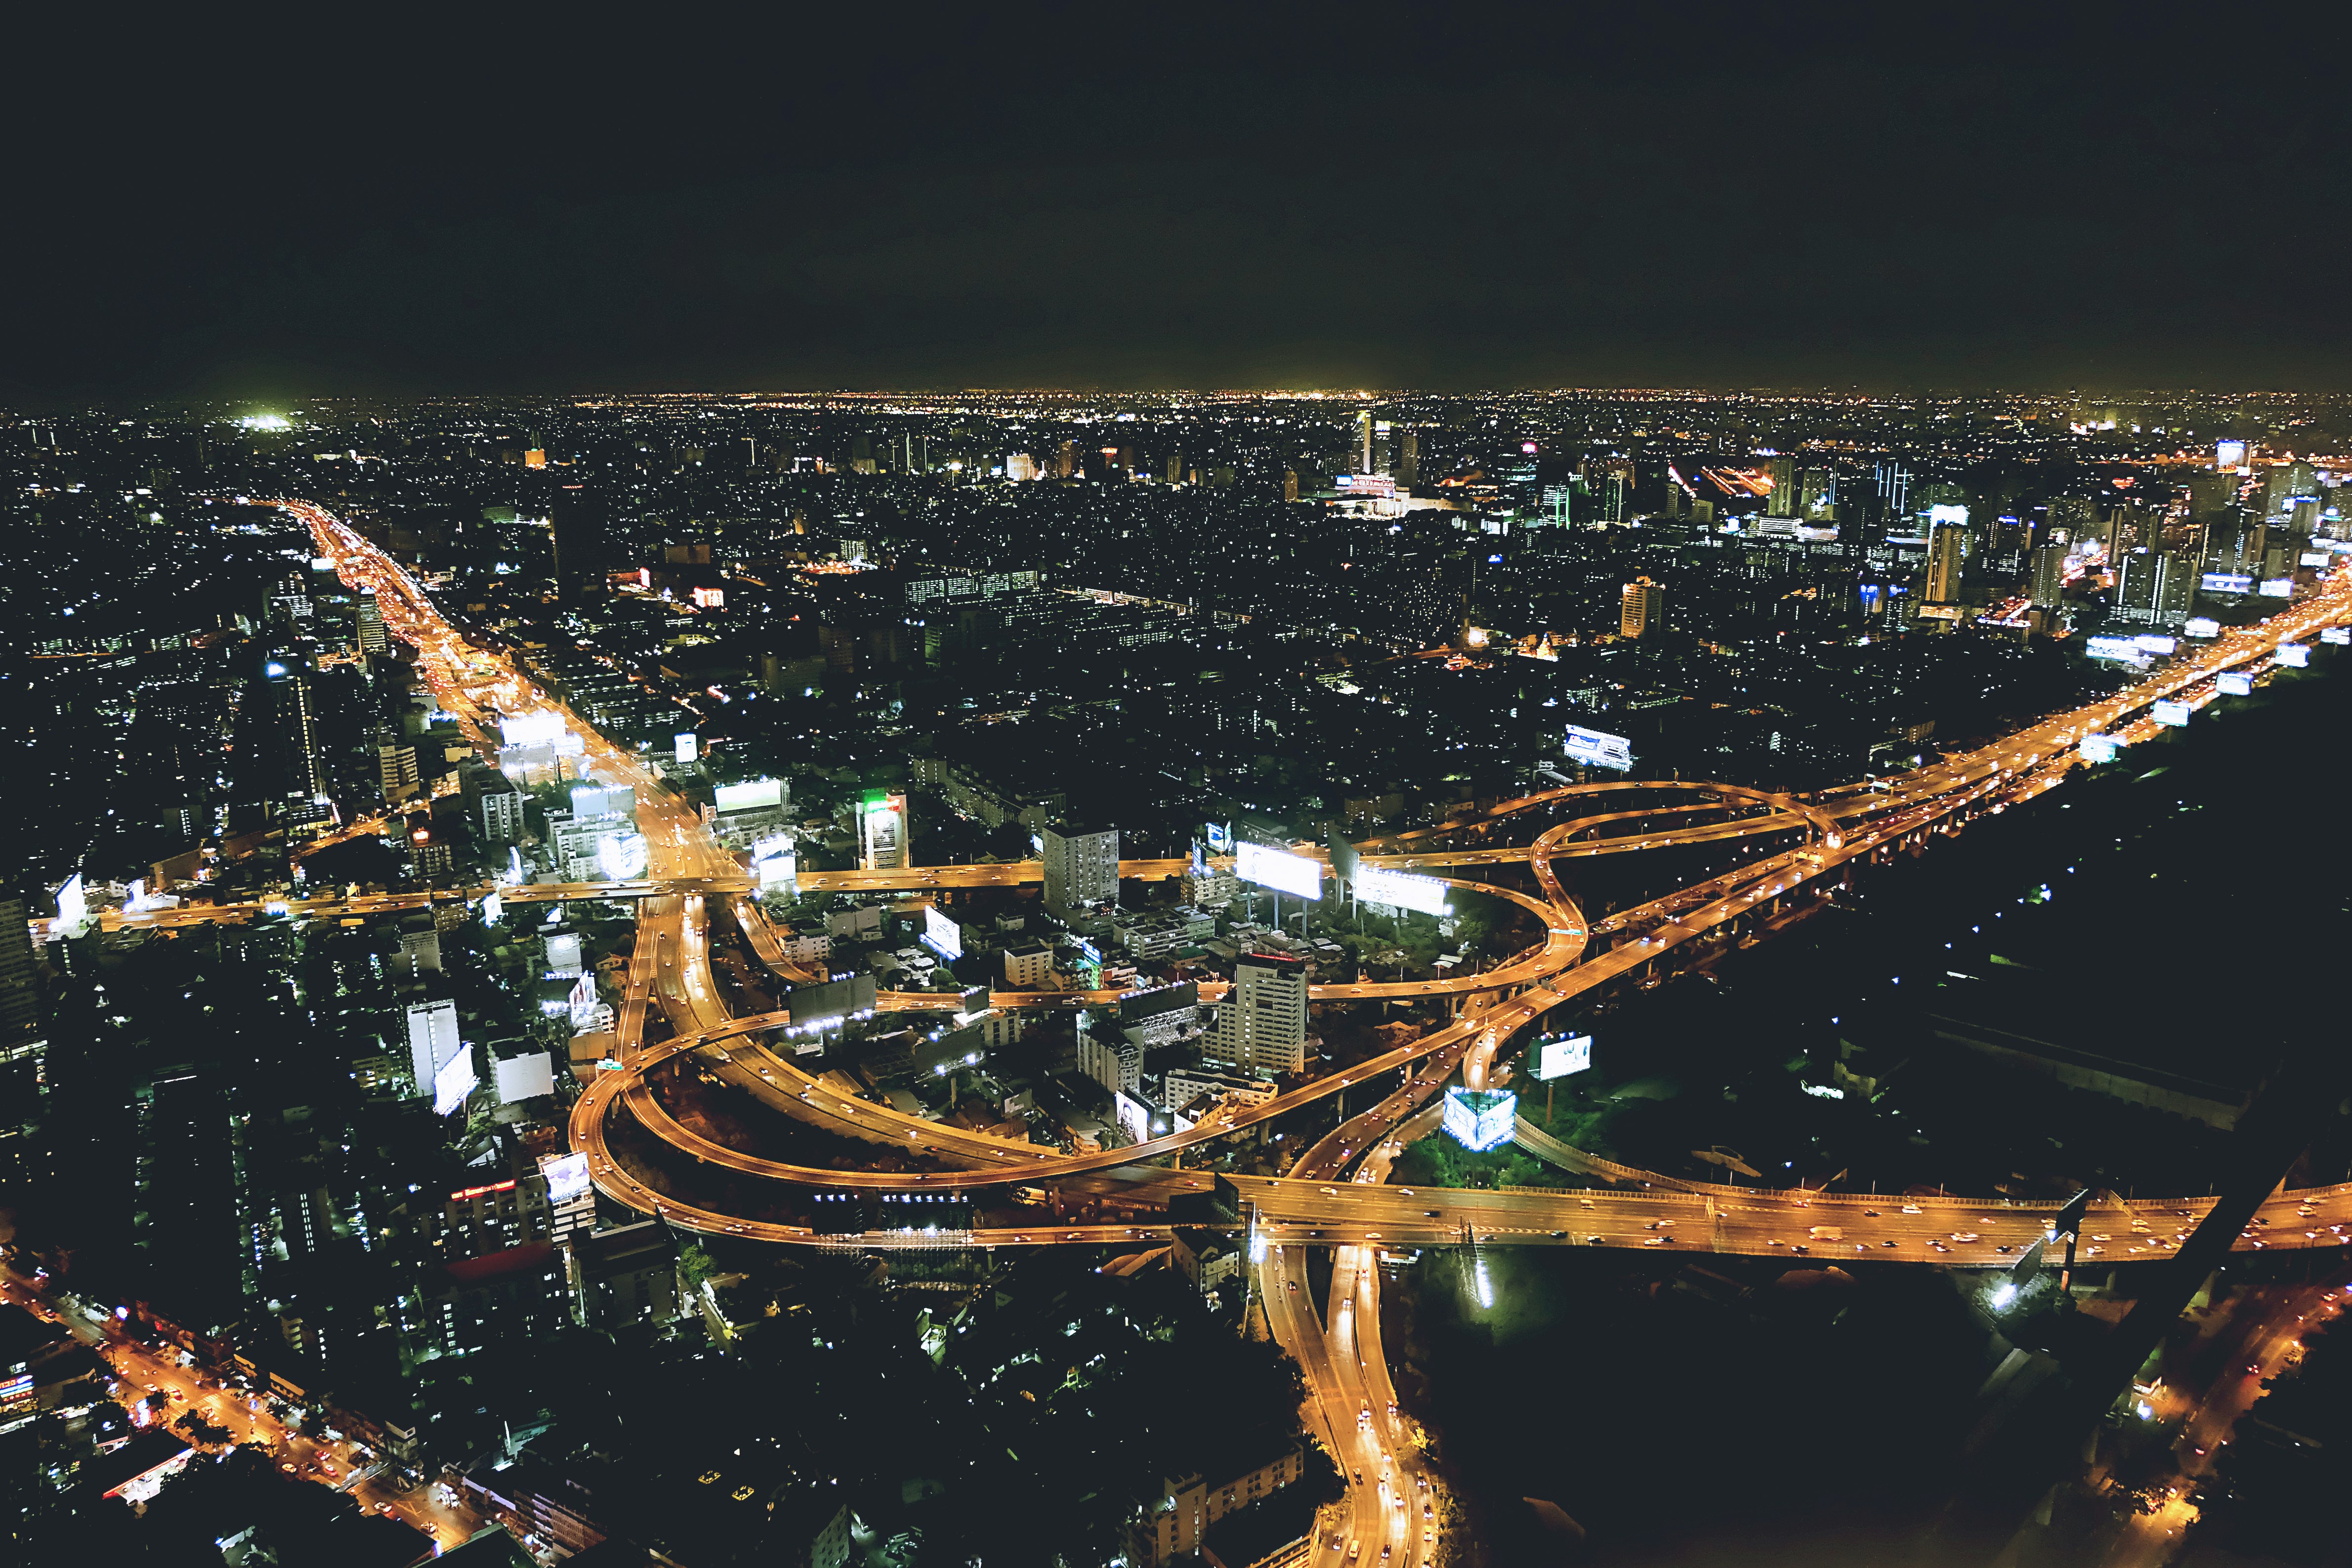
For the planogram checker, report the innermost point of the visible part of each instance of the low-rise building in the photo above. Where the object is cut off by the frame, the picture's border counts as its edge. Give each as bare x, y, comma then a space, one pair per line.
1190, 1505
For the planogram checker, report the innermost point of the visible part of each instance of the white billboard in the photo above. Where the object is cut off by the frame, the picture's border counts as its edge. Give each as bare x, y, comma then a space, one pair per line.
2228, 455
567, 1177
2295, 655
1479, 1120
2234, 683
1403, 889
622, 856
526, 1078
1598, 749
454, 1081
2337, 635
2279, 588
73, 904
1946, 516
2227, 583
1562, 1057
2313, 558
1285, 873
940, 934
751, 796
2100, 748
685, 748
541, 728
2203, 627
564, 952
2172, 714
2155, 642
2126, 649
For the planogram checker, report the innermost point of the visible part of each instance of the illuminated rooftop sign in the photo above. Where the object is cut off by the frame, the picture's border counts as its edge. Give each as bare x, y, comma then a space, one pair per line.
1481, 1120
1276, 868
1600, 749
1405, 890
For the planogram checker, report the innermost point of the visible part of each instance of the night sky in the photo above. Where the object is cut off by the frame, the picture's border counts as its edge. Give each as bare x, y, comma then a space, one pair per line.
1374, 195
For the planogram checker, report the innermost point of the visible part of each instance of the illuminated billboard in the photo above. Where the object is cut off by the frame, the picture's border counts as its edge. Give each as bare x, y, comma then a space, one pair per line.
1402, 889
775, 860
525, 1077
621, 857
2313, 558
2155, 642
1944, 516
1220, 837
751, 796
454, 1081
2339, 636
2126, 648
1481, 1120
2229, 455
1562, 1057
73, 904
567, 1177
685, 748
2227, 583
1285, 873
2100, 748
2172, 714
2234, 683
2295, 655
590, 801
543, 727
432, 1041
940, 934
1601, 751
2279, 588
882, 831
2203, 627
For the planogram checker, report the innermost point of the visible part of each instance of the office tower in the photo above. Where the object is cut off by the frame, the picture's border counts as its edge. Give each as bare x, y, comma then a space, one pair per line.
883, 834
275, 759
1817, 495
576, 529
1407, 468
1262, 1023
1947, 557
1065, 461
2175, 588
1174, 468
20, 996
1782, 502
2073, 520
1364, 442
1644, 610
372, 638
2048, 576
396, 767
2212, 497
1289, 484
1894, 491
1081, 866
2287, 484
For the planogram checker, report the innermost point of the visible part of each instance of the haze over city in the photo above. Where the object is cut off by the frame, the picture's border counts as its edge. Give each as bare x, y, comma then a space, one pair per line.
1286, 788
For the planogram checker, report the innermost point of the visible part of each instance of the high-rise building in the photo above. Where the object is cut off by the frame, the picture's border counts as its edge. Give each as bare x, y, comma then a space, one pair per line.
1782, 502
373, 639
1644, 608
1408, 467
397, 767
1081, 866
1947, 559
1364, 443
1894, 491
2287, 484
576, 529
2048, 576
1262, 1023
883, 836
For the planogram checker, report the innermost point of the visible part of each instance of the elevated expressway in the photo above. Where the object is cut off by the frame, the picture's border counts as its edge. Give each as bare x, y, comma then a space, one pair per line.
1573, 959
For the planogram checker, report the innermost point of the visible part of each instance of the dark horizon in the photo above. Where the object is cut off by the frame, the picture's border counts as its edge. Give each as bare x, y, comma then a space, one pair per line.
1367, 198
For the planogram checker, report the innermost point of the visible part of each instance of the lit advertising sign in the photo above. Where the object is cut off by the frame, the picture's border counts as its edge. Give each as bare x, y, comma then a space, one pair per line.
2295, 655
2229, 454
543, 727
2203, 627
493, 907
1406, 891
1562, 1057
778, 870
1942, 516
684, 747
749, 796
2100, 748
1481, 1120
1220, 837
1292, 874
943, 935
2227, 583
2313, 558
621, 856
2170, 714
2279, 588
2337, 635
1379, 485
73, 904
881, 831
2113, 647
1601, 751
2234, 683
567, 1177
17, 1389
453, 1083
2155, 642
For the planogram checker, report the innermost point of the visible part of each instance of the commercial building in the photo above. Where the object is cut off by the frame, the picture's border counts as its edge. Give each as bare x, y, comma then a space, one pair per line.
1081, 866
1190, 1505
1028, 965
1644, 608
1262, 1023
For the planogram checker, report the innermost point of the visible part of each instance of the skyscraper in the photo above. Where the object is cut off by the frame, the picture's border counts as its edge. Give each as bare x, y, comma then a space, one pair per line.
1262, 1023
1782, 502
576, 528
373, 639
1364, 442
1081, 866
1644, 610
1947, 557
2048, 576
